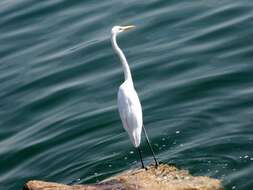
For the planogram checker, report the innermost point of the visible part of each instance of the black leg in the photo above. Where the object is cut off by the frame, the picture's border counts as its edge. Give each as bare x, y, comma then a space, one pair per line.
142, 165
150, 147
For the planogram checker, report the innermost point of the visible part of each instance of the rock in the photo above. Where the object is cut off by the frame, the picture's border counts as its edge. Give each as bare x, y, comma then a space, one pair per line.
165, 177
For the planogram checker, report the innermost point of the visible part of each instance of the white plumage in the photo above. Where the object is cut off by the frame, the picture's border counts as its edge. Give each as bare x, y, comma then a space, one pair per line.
130, 111
128, 102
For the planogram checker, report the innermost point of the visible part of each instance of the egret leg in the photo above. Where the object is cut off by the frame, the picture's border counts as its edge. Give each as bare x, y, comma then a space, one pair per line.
142, 165
150, 147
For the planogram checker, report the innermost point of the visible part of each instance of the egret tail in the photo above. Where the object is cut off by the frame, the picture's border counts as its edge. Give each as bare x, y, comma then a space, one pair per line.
150, 147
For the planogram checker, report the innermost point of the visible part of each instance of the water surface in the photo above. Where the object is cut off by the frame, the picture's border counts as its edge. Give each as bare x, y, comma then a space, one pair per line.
191, 62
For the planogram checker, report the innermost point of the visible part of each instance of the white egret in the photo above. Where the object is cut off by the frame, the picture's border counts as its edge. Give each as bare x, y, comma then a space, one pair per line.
128, 102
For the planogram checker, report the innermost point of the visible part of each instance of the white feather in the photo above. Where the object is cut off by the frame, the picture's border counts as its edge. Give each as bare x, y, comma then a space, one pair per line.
130, 111
128, 102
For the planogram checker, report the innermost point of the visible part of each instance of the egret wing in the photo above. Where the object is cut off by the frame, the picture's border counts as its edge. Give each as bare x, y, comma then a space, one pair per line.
130, 113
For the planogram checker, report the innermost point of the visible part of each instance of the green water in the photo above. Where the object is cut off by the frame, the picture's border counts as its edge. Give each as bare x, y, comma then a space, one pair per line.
191, 63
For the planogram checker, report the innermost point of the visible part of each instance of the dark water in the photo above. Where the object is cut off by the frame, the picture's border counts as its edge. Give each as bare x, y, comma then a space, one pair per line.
192, 66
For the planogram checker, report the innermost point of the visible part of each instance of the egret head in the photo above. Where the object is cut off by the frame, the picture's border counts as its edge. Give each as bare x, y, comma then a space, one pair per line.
119, 29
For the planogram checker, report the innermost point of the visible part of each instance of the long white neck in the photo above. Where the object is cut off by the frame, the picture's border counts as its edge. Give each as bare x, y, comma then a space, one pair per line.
127, 72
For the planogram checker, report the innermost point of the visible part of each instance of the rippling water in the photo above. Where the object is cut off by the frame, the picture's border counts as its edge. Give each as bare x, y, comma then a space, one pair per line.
192, 66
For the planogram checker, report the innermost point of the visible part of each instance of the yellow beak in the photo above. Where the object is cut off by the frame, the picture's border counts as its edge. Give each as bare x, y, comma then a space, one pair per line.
125, 28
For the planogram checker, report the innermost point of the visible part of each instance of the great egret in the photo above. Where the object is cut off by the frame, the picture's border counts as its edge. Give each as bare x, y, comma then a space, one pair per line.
128, 102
